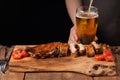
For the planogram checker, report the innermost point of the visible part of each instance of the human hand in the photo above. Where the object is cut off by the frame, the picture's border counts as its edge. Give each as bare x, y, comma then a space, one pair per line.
96, 38
73, 36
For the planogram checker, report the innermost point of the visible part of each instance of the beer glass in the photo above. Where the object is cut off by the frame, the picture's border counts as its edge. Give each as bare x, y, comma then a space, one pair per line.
86, 23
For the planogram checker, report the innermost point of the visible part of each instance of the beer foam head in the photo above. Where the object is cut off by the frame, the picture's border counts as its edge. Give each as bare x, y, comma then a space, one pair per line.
87, 15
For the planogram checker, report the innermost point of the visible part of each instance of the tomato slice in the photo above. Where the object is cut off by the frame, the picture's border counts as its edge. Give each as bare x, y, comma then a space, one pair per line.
17, 55
106, 56
24, 53
99, 57
110, 58
107, 53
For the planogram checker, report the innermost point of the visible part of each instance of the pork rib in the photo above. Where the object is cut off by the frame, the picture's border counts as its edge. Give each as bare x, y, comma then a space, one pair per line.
53, 49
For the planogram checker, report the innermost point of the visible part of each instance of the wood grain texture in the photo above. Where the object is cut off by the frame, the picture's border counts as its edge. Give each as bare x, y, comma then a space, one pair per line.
44, 76
80, 64
107, 78
56, 76
75, 76
117, 62
12, 76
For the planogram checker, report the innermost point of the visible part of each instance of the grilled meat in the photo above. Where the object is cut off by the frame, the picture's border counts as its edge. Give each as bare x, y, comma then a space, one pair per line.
59, 49
53, 49
90, 51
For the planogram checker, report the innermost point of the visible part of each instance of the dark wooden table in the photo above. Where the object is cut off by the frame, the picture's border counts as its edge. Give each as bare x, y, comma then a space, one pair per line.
62, 75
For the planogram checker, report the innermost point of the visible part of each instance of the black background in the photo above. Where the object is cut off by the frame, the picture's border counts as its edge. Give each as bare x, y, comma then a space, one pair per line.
33, 22
39, 21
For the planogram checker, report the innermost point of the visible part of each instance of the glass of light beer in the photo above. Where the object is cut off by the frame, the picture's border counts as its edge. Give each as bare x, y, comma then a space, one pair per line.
86, 23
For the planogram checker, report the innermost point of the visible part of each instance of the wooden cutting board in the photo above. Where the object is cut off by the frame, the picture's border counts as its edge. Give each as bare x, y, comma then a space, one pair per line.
82, 64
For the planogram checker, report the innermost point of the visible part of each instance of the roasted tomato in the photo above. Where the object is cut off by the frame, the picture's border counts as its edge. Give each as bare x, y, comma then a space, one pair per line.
24, 53
110, 58
99, 57
107, 56
17, 55
107, 53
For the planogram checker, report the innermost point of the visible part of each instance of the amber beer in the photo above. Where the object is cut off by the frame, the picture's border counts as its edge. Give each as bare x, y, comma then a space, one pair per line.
87, 23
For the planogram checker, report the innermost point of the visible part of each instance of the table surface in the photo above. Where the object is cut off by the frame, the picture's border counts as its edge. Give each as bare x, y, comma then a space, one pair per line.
62, 75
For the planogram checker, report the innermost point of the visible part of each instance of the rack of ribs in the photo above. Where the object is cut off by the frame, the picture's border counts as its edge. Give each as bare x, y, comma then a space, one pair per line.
53, 49
59, 49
